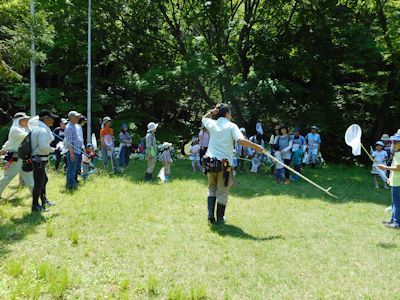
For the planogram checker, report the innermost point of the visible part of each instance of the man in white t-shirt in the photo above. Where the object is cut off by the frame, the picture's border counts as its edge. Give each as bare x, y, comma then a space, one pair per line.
223, 135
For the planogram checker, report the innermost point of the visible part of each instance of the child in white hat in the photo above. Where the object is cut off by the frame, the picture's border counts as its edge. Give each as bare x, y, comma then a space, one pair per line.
394, 182
167, 160
380, 156
195, 154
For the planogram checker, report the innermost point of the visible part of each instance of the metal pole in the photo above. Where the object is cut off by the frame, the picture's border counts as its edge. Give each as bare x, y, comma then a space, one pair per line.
89, 74
33, 71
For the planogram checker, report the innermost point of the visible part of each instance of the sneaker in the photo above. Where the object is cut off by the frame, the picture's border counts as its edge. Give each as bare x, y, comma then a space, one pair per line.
36, 208
387, 209
44, 208
392, 225
49, 203
387, 222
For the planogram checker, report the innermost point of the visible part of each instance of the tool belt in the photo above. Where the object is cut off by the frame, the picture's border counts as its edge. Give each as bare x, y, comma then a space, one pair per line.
214, 165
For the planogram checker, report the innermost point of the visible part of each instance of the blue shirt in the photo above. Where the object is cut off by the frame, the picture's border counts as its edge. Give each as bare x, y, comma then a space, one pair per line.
313, 140
300, 140
72, 138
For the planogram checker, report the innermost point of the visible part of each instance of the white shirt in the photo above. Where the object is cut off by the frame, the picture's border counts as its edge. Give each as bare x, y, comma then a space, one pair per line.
15, 137
223, 135
41, 139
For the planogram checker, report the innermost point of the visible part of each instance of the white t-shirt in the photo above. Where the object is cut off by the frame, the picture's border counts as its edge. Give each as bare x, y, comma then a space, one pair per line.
223, 135
380, 157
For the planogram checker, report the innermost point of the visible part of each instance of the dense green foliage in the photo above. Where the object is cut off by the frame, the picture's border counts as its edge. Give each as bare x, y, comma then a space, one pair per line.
320, 62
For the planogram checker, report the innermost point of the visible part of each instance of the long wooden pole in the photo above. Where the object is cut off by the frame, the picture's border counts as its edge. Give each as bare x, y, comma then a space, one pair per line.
301, 175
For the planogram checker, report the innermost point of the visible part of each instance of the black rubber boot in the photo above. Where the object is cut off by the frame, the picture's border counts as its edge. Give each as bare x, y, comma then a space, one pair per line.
147, 177
211, 209
220, 213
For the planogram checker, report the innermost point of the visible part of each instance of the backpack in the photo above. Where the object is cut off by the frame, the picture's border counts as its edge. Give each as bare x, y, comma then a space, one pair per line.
25, 148
142, 145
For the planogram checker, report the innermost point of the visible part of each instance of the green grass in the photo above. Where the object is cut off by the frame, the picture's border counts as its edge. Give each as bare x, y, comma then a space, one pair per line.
118, 237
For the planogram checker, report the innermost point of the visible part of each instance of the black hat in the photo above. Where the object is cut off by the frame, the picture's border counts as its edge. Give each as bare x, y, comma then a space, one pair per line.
46, 113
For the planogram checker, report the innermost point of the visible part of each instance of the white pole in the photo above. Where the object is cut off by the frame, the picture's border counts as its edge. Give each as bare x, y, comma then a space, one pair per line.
89, 74
33, 72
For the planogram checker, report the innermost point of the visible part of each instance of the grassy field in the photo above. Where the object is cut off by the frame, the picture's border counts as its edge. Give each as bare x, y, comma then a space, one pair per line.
118, 237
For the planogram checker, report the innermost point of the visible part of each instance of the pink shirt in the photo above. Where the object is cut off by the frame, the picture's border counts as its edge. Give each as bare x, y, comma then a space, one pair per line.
204, 138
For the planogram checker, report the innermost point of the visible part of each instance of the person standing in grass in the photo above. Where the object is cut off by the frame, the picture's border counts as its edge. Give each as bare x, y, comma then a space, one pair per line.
204, 139
219, 158
285, 144
279, 168
125, 140
107, 145
380, 157
18, 132
394, 182
151, 150
74, 145
241, 152
297, 159
41, 139
59, 136
313, 146
167, 160
79, 130
195, 149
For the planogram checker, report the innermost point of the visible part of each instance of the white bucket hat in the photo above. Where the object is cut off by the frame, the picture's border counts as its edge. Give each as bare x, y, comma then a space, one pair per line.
151, 126
166, 145
21, 115
395, 138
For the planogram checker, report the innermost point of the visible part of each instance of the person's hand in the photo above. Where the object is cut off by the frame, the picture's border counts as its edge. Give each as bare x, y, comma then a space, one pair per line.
149, 157
382, 167
52, 150
72, 156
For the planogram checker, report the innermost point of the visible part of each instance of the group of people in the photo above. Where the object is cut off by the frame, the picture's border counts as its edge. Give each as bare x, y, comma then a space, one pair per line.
27, 153
220, 150
290, 149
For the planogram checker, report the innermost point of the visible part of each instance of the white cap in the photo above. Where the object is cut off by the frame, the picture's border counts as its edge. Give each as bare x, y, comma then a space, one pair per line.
64, 121
379, 143
73, 113
242, 129
21, 115
151, 126
106, 119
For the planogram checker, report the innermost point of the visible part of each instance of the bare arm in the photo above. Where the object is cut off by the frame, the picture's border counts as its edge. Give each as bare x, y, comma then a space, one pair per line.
395, 169
248, 144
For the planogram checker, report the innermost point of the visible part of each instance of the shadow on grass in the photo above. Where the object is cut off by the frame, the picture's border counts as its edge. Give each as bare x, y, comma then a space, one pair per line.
17, 229
236, 232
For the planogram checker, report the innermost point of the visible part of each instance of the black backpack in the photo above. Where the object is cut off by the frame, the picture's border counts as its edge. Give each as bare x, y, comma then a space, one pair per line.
25, 148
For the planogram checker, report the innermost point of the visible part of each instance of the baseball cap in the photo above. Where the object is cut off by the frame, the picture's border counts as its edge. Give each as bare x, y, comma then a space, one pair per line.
46, 113
73, 113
